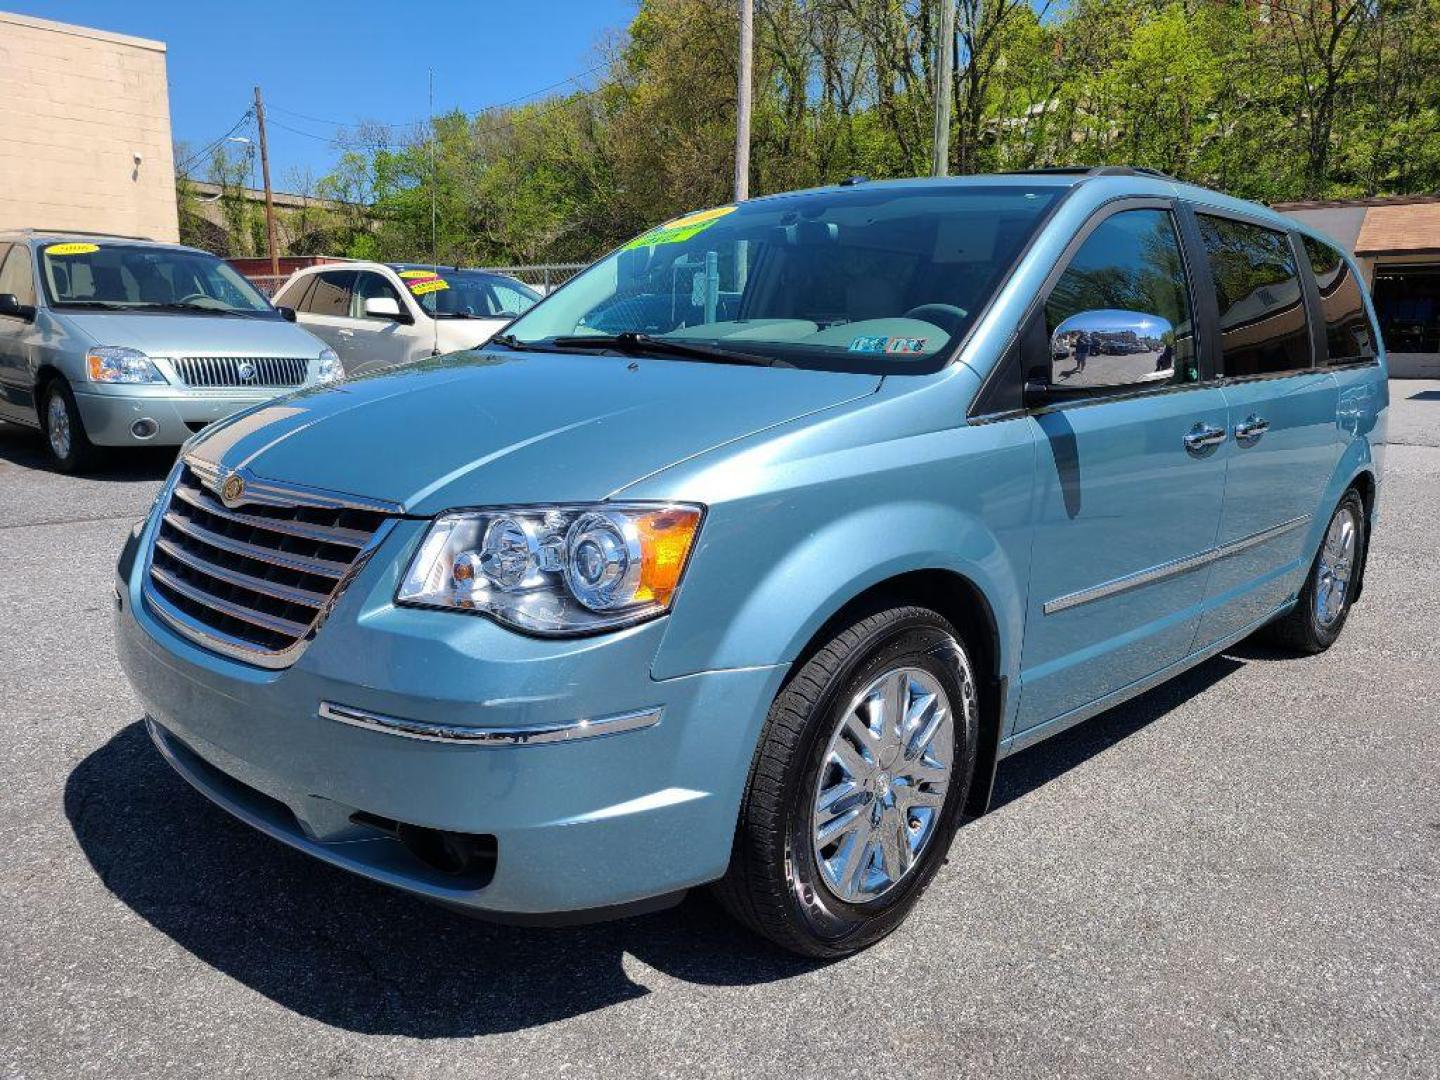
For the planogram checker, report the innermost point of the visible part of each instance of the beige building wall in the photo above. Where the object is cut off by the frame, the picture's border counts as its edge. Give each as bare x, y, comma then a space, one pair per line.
84, 131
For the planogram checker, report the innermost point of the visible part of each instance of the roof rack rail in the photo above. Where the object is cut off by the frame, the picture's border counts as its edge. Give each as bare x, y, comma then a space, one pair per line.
34, 231
1092, 170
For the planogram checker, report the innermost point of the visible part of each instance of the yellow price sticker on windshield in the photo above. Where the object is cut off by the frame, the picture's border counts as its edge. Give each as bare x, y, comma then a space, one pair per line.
417, 273
71, 249
681, 229
420, 288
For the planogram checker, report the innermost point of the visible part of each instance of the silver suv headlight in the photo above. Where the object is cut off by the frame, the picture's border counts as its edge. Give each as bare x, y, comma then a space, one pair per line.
328, 369
120, 364
555, 570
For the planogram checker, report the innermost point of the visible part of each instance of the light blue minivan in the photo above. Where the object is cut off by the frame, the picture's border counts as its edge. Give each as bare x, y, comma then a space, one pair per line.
744, 557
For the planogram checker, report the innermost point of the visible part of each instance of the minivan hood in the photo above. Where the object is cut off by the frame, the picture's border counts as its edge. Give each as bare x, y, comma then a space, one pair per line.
170, 334
488, 429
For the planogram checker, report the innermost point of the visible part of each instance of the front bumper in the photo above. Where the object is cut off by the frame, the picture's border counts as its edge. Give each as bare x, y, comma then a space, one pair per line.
578, 825
109, 416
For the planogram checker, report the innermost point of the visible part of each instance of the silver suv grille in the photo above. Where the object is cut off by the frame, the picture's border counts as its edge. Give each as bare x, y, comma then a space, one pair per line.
242, 370
255, 580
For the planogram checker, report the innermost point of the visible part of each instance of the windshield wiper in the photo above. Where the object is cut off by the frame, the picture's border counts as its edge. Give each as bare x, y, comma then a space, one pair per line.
641, 344
178, 306
510, 341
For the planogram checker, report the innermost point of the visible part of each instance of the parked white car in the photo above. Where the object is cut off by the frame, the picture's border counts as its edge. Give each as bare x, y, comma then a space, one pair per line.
376, 315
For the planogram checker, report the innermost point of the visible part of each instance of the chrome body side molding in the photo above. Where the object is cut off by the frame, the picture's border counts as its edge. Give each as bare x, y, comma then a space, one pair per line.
1169, 569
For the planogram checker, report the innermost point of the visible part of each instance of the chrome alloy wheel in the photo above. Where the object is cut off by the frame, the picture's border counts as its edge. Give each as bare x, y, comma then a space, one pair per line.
882, 784
1336, 566
57, 425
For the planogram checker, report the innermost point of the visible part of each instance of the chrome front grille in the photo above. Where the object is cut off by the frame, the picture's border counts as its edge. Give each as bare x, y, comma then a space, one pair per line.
258, 371
254, 579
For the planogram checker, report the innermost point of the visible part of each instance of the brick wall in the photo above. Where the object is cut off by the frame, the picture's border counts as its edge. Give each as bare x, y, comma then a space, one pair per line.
76, 106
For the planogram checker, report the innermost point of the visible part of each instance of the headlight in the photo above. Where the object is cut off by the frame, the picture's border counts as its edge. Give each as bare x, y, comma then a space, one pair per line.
555, 570
328, 368
118, 364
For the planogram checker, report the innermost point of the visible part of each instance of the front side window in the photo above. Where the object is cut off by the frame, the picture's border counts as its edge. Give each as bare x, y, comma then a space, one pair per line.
1120, 314
878, 278
1263, 330
82, 274
16, 275
1342, 305
332, 294
371, 286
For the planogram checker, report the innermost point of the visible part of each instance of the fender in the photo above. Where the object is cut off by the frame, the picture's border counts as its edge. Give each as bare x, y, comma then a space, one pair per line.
1357, 460
813, 579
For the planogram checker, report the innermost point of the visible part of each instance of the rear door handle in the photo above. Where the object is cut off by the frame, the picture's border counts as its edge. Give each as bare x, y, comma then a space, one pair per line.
1202, 437
1251, 428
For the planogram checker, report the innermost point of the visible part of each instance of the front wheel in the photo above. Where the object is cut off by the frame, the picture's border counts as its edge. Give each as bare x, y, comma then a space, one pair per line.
70, 448
857, 786
1317, 618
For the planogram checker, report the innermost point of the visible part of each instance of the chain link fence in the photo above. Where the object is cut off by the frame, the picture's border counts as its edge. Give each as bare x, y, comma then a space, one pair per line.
541, 276
269, 284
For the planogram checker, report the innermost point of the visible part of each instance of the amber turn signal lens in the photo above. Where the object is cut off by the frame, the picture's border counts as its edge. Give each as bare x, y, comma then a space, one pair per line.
665, 540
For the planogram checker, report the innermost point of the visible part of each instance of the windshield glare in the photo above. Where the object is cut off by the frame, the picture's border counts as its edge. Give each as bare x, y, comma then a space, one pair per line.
133, 276
877, 279
466, 294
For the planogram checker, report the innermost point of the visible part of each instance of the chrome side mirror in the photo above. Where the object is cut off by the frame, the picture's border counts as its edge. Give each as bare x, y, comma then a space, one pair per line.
1110, 348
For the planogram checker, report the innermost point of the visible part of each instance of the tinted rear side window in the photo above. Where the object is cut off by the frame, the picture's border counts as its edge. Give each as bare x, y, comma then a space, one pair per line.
1257, 291
1342, 305
331, 295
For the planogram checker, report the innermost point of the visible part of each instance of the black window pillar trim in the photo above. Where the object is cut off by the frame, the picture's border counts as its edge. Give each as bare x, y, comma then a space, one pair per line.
1202, 284
1310, 291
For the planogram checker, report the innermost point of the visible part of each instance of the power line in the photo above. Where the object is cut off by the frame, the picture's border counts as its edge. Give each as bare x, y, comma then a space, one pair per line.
425, 123
244, 119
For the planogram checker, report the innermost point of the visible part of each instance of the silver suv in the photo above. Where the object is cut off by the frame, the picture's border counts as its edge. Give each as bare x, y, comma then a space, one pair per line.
113, 341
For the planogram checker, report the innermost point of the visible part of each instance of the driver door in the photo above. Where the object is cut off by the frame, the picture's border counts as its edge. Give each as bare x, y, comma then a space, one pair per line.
1128, 500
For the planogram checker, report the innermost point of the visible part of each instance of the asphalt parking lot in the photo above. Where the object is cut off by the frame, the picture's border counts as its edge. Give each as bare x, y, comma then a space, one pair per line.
1237, 874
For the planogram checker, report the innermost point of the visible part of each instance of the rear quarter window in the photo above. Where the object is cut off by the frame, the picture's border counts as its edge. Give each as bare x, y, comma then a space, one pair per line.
1348, 335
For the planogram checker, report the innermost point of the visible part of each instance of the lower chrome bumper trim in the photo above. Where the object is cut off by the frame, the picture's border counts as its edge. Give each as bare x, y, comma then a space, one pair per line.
568, 731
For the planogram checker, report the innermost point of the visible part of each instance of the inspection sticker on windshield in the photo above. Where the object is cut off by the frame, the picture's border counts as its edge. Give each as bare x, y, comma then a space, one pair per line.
880, 343
682, 228
71, 249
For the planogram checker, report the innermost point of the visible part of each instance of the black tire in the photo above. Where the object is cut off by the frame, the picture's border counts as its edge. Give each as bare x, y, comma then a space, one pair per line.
1302, 630
80, 451
774, 883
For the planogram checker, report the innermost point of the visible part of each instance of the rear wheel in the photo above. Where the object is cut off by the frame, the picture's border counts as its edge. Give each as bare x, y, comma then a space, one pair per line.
857, 786
70, 448
1317, 618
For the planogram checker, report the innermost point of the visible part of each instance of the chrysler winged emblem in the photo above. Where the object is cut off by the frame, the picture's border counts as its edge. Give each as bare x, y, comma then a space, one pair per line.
233, 490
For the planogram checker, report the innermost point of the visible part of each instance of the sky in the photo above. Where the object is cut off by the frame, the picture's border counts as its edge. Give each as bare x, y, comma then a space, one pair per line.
319, 63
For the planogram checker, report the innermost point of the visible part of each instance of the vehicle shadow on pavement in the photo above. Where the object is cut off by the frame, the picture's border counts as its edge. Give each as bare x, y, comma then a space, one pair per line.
1032, 768
339, 949
25, 447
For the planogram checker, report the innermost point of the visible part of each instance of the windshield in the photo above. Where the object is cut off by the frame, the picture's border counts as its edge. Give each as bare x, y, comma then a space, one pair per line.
466, 294
881, 279
132, 276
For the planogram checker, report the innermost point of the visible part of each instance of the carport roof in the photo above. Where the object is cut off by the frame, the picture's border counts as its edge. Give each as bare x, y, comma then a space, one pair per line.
1408, 229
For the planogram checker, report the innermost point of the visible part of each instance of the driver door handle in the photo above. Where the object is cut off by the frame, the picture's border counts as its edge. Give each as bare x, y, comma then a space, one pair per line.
1251, 428
1202, 437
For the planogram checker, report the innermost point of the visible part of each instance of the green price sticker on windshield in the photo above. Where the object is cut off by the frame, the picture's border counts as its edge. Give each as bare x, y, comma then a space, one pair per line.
71, 249
679, 230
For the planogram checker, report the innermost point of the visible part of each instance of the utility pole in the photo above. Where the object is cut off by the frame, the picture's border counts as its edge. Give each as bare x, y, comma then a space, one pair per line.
742, 101
269, 195
944, 72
